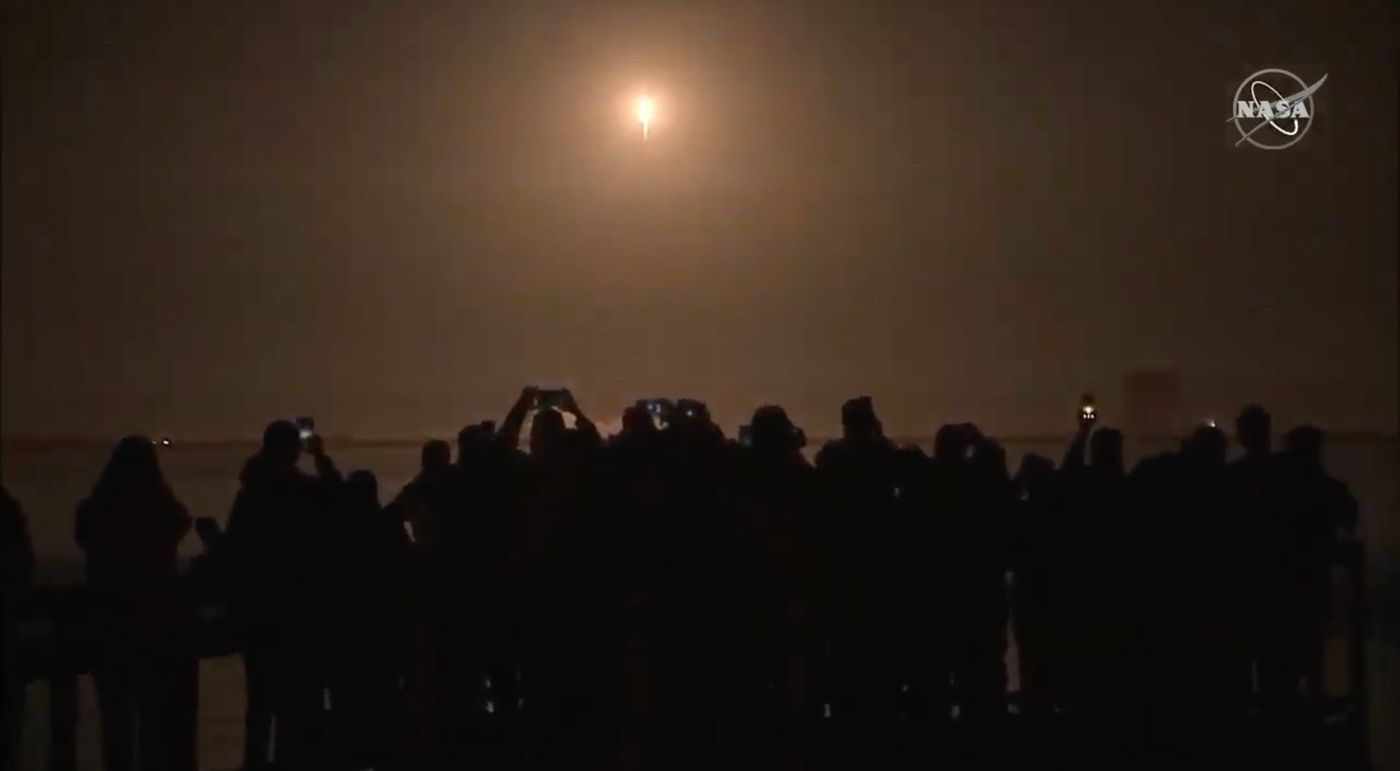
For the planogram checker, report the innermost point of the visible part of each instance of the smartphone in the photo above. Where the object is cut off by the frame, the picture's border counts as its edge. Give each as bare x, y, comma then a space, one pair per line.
745, 435
1088, 411
549, 397
306, 427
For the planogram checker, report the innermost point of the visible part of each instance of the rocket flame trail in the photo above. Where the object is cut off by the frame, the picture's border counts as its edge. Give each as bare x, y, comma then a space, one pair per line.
645, 110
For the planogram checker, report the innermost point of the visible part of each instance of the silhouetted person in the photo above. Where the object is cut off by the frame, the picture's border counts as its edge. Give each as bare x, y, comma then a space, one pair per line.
426, 503
637, 422
16, 567
1255, 490
1256, 471
485, 471
1314, 512
277, 593
129, 528
980, 615
1041, 561
1159, 539
429, 507
689, 613
1200, 654
1094, 531
1254, 430
857, 475
553, 562
634, 476
367, 639
779, 549
937, 542
1255, 474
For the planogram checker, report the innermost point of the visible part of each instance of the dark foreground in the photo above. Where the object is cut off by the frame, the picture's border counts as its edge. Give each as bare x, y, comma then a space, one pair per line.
672, 599
489, 739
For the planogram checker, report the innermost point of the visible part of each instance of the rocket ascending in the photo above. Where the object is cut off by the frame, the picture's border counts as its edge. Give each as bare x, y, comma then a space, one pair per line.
645, 110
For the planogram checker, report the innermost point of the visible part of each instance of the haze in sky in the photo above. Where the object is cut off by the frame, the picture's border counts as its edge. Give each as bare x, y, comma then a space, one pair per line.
393, 216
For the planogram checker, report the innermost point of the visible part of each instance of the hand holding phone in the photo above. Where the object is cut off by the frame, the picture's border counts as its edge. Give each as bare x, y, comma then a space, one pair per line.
550, 397
306, 428
567, 402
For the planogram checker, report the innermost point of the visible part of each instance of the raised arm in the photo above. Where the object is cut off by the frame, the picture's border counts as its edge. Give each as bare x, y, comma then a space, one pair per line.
509, 433
1074, 454
325, 467
581, 422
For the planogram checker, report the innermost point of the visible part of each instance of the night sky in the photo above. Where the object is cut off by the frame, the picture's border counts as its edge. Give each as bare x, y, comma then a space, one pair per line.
393, 215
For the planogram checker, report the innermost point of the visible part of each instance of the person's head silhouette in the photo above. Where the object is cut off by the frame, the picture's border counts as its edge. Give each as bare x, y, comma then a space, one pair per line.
132, 468
953, 442
989, 460
1035, 474
1304, 445
690, 416
362, 489
772, 431
281, 446
547, 434
474, 440
1206, 446
436, 456
637, 421
858, 421
1254, 430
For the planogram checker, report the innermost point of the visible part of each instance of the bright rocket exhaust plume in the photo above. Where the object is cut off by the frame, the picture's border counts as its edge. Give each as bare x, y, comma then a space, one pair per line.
645, 110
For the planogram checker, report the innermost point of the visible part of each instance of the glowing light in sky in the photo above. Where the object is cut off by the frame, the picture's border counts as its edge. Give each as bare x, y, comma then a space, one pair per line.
645, 110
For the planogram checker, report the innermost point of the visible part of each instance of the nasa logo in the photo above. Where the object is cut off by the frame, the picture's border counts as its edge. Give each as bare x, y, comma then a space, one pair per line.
1290, 116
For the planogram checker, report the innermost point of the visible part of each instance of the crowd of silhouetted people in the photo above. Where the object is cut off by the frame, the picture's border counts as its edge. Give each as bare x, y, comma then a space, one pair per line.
669, 598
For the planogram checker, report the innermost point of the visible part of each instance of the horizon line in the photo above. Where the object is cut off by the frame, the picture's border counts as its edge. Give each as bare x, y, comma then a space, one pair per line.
54, 441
